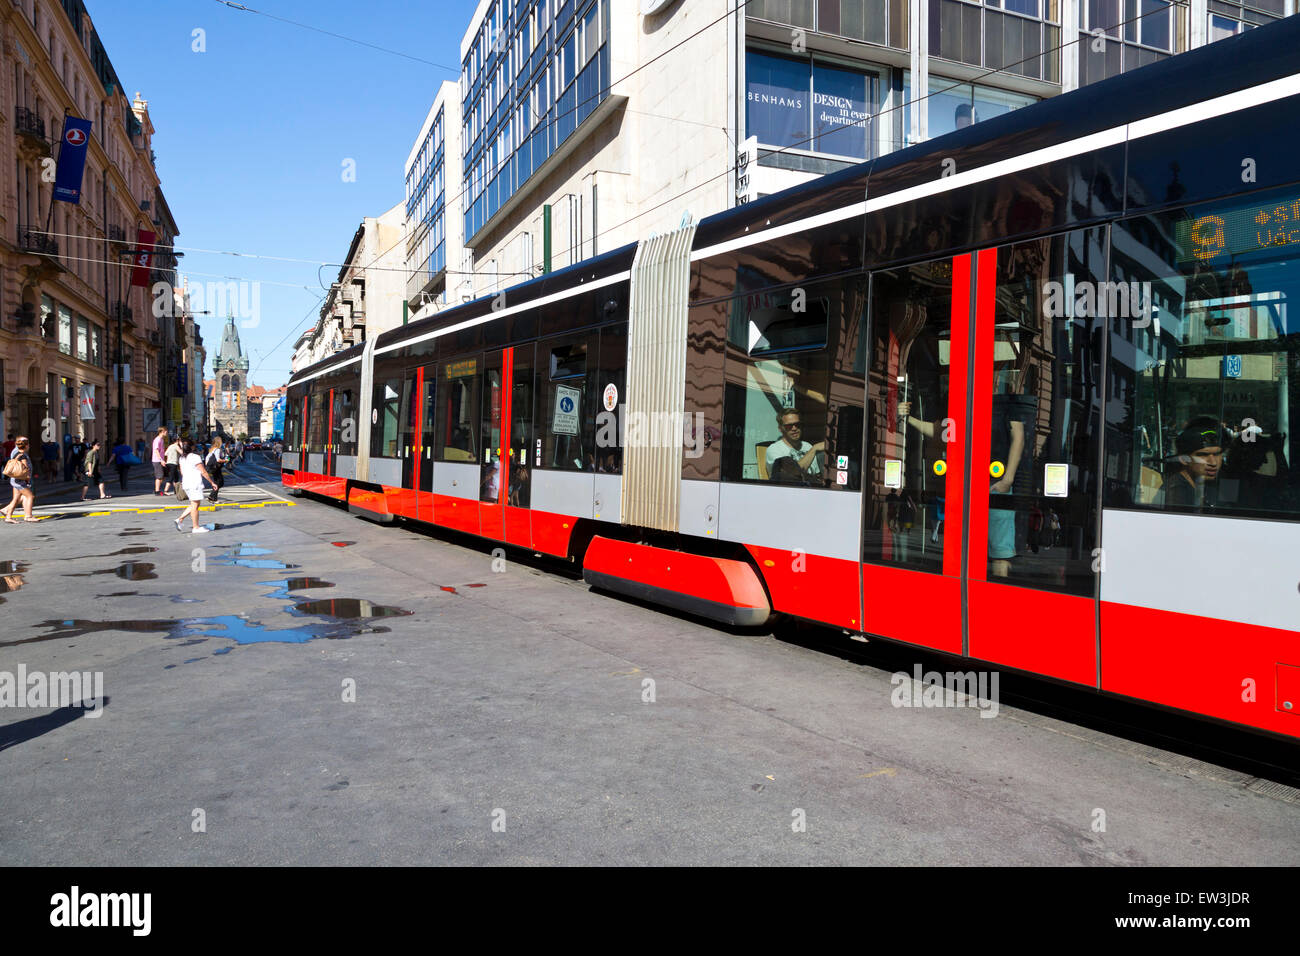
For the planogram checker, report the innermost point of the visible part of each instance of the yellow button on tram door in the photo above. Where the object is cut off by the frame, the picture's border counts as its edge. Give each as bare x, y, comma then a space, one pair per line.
940, 467
997, 469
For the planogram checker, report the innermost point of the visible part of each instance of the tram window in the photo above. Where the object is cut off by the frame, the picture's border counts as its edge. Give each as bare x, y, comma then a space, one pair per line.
610, 383
406, 437
1044, 439
316, 422
1201, 404
387, 407
565, 400
792, 407
292, 419
907, 402
458, 410
345, 425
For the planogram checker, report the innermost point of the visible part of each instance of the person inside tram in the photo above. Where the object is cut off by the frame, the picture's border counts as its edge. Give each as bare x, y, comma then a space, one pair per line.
805, 457
1192, 481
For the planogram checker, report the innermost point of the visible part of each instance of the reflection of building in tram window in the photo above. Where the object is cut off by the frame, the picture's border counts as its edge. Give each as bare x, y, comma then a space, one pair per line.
1192, 481
791, 447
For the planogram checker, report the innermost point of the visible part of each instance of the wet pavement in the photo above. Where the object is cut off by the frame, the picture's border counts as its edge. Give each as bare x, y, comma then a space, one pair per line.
389, 701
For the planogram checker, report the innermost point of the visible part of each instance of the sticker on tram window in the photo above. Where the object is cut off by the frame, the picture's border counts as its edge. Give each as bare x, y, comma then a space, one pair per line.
462, 368
841, 461
841, 477
611, 397
565, 421
893, 473
1056, 480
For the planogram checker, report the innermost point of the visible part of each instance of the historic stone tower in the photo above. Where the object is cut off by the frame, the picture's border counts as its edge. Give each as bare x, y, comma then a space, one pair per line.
230, 398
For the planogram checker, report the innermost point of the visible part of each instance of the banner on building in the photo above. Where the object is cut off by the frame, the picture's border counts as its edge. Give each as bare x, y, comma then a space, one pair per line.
72, 159
182, 378
87, 403
281, 404
151, 419
178, 410
143, 255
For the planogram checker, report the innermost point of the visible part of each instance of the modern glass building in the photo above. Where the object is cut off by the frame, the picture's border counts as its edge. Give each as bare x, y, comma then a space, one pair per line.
432, 178
531, 72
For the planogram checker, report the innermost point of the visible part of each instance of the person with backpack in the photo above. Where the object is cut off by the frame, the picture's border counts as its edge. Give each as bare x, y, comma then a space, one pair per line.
192, 475
18, 469
122, 459
91, 471
215, 463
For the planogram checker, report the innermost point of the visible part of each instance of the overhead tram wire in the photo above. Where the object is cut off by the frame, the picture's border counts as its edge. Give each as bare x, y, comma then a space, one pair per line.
338, 36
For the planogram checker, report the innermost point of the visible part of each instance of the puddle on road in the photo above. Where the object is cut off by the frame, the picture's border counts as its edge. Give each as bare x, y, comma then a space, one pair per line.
11, 576
244, 555
130, 570
338, 617
347, 608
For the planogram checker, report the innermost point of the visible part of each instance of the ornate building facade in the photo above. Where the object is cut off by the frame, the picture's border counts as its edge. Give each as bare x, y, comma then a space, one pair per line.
229, 405
68, 311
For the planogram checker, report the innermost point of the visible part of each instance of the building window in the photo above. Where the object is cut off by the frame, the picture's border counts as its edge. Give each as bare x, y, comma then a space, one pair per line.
1022, 37
83, 339
809, 105
65, 330
956, 105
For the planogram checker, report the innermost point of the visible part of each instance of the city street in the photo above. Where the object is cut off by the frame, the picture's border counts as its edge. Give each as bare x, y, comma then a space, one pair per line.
304, 687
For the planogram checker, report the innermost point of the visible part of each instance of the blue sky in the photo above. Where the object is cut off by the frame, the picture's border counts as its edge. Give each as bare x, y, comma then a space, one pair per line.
251, 135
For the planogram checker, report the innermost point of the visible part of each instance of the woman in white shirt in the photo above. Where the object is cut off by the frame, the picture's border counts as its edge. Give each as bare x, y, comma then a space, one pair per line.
192, 474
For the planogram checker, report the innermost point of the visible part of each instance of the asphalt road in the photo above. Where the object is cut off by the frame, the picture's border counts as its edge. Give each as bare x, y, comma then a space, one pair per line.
506, 719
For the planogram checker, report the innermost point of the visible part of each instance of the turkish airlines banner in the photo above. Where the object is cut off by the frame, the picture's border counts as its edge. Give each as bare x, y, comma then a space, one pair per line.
72, 159
143, 254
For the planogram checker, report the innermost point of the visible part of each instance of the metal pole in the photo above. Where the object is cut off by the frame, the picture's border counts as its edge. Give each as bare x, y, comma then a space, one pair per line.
546, 238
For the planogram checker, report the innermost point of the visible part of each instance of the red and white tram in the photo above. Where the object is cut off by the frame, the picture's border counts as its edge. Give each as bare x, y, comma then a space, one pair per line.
1022, 394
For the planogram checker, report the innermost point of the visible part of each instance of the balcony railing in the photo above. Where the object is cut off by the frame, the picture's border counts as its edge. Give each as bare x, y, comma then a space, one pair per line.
116, 234
124, 312
28, 123
39, 243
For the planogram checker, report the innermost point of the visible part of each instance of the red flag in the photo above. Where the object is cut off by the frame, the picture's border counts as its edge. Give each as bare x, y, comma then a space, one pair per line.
143, 253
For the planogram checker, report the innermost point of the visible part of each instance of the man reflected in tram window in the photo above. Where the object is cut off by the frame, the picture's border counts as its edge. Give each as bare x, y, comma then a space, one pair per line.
1012, 411
1192, 481
790, 459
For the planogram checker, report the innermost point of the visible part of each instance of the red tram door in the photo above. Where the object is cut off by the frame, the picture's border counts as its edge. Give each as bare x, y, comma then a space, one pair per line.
494, 472
913, 509
1034, 423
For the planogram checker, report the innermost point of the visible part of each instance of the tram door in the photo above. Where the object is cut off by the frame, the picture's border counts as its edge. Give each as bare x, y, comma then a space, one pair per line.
425, 382
980, 514
494, 472
913, 487
1031, 567
520, 441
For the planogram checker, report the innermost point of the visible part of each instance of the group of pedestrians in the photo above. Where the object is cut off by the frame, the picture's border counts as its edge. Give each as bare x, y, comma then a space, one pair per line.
178, 466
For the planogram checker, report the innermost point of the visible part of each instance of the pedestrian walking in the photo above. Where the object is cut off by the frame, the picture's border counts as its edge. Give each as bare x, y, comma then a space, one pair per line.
50, 459
18, 469
171, 468
159, 462
92, 475
192, 475
122, 457
215, 462
76, 458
